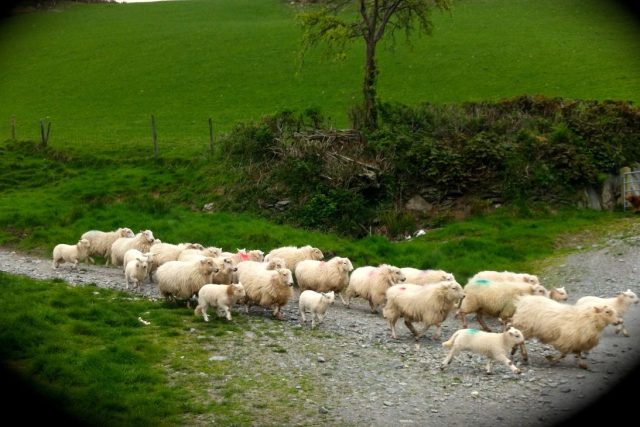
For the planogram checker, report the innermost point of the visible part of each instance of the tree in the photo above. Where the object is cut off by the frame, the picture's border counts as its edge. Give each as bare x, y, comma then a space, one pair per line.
339, 22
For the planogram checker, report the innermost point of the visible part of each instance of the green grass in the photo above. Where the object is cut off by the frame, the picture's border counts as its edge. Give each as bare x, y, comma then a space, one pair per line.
98, 72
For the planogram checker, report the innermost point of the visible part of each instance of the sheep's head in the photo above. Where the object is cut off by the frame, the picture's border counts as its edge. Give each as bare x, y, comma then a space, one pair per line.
316, 254
454, 289
343, 264
142, 264
212, 251
559, 294
608, 314
84, 243
228, 264
208, 266
630, 296
530, 278
514, 335
256, 255
330, 297
148, 235
126, 232
275, 262
539, 290
285, 275
237, 290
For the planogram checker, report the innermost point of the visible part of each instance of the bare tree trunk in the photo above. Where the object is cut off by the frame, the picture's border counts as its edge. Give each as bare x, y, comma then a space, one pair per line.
369, 86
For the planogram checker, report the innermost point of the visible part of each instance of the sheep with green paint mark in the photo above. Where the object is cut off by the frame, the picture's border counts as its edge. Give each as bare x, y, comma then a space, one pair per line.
495, 346
426, 277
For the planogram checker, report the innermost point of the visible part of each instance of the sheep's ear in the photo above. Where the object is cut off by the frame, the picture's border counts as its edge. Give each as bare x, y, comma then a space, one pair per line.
597, 309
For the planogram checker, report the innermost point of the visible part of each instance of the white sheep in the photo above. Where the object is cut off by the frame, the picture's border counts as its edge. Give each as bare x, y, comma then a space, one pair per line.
242, 255
620, 303
165, 252
101, 241
188, 254
268, 288
494, 298
429, 305
183, 279
568, 328
245, 267
426, 277
495, 346
321, 276
316, 303
558, 294
71, 253
220, 297
136, 271
132, 254
227, 271
507, 276
141, 241
292, 255
371, 283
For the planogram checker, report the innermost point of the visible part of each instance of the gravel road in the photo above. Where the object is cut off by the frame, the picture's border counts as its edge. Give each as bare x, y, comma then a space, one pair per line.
370, 379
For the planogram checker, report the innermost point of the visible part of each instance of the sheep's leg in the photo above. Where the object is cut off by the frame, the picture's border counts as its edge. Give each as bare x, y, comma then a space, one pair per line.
582, 363
523, 351
447, 360
621, 328
438, 333
559, 357
463, 318
415, 333
392, 325
320, 318
373, 307
54, 264
504, 359
92, 261
205, 307
342, 299
482, 322
75, 264
303, 318
227, 312
488, 367
313, 320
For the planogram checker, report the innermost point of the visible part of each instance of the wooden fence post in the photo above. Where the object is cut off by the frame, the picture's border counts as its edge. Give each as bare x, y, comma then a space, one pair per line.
211, 138
44, 135
154, 136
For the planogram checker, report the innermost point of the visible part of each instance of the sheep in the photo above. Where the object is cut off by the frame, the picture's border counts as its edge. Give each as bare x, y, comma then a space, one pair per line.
101, 241
136, 271
430, 305
620, 303
71, 253
292, 255
188, 254
245, 266
508, 276
371, 283
568, 328
227, 271
495, 346
268, 288
494, 298
425, 277
132, 254
165, 252
315, 302
142, 241
183, 279
218, 296
243, 255
558, 294
321, 276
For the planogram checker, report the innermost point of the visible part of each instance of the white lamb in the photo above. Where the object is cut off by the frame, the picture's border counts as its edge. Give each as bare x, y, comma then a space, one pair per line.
220, 297
620, 303
321, 276
101, 241
136, 271
183, 279
429, 305
132, 254
371, 283
494, 298
292, 255
426, 277
316, 303
142, 242
568, 328
71, 253
495, 346
268, 288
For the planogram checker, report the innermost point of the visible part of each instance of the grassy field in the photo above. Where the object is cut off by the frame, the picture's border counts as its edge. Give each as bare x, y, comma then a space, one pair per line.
98, 72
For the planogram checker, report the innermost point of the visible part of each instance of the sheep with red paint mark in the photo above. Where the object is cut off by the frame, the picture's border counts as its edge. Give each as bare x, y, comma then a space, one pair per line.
371, 283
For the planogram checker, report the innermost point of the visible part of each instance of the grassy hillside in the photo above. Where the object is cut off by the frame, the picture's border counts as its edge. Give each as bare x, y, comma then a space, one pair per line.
98, 72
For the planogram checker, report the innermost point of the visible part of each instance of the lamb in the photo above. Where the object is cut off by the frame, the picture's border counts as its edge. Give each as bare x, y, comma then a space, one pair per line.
430, 305
316, 303
71, 253
268, 288
227, 271
142, 242
188, 254
425, 277
292, 255
101, 241
620, 303
218, 296
183, 279
493, 345
568, 328
371, 283
494, 298
136, 271
321, 276
132, 254
506, 276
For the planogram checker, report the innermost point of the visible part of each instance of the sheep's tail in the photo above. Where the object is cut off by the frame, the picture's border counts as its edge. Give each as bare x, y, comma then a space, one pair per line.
450, 341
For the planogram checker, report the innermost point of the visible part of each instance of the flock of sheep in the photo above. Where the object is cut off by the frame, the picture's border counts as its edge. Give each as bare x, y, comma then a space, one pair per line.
223, 279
